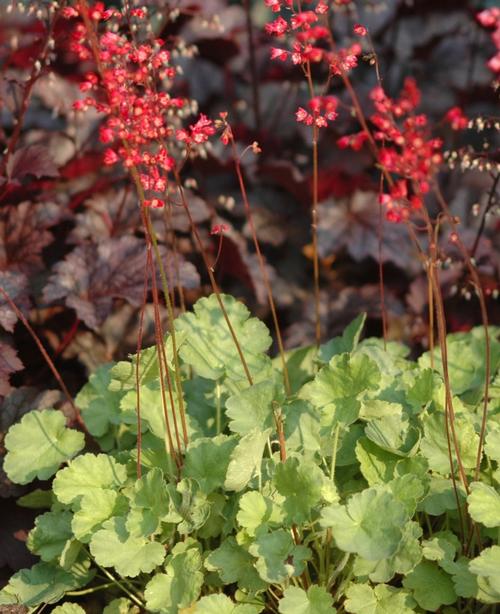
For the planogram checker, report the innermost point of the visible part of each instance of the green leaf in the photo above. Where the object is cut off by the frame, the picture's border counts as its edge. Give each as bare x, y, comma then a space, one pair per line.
347, 342
487, 567
252, 408
441, 547
315, 601
152, 411
207, 461
100, 406
434, 445
149, 504
209, 347
431, 586
345, 377
95, 508
377, 465
441, 497
192, 506
492, 442
393, 433
370, 524
113, 546
220, 604
383, 599
123, 374
86, 474
43, 583
235, 565
301, 365
38, 445
179, 587
278, 558
409, 490
122, 605
300, 482
302, 427
407, 557
68, 608
422, 390
258, 511
246, 459
464, 581
50, 534
484, 504
466, 353
36, 499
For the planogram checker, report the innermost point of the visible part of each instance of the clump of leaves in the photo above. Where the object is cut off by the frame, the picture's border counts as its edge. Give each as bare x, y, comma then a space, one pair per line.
358, 510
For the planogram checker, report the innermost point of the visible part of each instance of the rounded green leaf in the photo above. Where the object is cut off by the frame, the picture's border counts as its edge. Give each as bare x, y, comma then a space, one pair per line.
345, 377
300, 482
434, 445
99, 405
234, 565
50, 534
257, 511
431, 586
68, 608
38, 445
220, 604
122, 605
246, 459
95, 508
252, 408
112, 546
484, 504
207, 460
278, 558
88, 473
315, 601
43, 583
487, 566
209, 346
370, 524
383, 599
179, 587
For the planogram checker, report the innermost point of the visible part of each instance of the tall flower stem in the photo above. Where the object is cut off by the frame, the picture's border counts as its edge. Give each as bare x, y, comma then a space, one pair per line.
45, 355
262, 266
215, 287
314, 214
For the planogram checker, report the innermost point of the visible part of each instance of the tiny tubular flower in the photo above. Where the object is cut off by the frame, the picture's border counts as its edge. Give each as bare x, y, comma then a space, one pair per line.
219, 229
360, 30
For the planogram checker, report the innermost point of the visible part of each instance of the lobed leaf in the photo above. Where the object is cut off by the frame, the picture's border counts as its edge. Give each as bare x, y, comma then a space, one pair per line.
38, 445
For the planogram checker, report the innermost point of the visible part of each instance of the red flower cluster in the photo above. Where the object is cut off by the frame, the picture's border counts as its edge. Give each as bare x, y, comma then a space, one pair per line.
490, 18
406, 149
307, 36
456, 118
138, 127
323, 110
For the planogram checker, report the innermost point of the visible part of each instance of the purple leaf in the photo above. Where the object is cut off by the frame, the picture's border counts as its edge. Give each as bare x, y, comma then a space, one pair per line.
92, 276
9, 363
31, 160
352, 224
16, 286
24, 234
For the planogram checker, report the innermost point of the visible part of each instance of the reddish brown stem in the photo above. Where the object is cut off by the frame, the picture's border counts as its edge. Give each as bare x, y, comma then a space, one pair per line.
44, 353
262, 266
213, 282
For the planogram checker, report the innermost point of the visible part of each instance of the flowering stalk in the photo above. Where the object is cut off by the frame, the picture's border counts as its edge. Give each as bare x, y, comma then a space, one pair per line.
215, 286
113, 81
228, 138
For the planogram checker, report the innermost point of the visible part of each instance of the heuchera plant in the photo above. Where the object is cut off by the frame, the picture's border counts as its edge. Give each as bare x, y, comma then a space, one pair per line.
206, 476
350, 506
